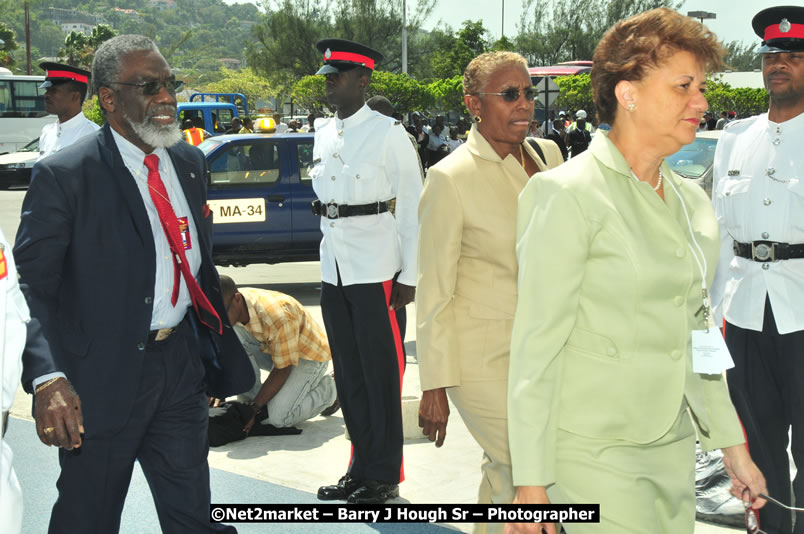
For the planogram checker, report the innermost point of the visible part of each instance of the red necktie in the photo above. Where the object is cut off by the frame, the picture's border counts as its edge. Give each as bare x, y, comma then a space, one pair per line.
170, 224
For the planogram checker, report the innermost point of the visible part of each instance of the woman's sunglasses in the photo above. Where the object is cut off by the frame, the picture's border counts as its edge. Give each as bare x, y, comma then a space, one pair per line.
512, 95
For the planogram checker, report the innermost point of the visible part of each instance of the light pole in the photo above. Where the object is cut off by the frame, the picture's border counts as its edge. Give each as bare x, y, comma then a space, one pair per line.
404, 37
502, 32
701, 15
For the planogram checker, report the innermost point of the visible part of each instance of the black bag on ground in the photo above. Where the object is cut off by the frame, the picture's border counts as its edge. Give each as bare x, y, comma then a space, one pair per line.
226, 425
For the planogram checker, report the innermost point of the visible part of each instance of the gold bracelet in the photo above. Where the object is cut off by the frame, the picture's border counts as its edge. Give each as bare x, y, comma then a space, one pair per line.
44, 385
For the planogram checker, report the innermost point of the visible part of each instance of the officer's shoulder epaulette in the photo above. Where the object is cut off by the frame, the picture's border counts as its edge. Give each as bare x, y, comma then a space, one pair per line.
740, 125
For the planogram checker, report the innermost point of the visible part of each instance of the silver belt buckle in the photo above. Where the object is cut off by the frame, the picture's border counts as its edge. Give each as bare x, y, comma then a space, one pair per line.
763, 252
332, 211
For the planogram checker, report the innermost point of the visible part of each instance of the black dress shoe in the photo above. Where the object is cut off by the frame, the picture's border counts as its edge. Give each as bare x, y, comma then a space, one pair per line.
331, 409
340, 491
373, 492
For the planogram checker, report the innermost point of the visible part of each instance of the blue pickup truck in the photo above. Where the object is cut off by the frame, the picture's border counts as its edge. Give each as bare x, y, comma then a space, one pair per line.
260, 194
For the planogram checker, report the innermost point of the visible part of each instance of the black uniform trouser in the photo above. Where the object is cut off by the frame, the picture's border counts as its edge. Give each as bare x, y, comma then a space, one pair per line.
369, 361
166, 432
767, 388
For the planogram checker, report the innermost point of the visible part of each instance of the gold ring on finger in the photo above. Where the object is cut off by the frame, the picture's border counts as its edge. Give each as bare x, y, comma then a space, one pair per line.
48, 429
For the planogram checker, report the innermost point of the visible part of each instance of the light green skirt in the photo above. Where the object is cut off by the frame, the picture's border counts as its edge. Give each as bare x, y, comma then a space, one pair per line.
641, 488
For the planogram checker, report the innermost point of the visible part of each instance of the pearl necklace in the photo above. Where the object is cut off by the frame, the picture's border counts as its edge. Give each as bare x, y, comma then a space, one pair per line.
658, 183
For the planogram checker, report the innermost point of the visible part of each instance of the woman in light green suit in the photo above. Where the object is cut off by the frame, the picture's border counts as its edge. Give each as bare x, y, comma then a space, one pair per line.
613, 251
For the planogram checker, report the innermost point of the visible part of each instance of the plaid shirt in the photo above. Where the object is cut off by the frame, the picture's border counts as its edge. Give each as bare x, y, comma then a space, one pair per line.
284, 328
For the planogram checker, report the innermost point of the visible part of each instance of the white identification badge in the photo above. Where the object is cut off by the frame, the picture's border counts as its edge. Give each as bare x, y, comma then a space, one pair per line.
710, 355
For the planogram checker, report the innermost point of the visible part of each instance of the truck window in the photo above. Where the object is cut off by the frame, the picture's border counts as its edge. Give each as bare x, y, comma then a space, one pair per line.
223, 120
304, 151
246, 163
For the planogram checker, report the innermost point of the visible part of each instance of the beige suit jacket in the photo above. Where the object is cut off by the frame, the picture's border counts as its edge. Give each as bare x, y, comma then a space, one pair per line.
466, 287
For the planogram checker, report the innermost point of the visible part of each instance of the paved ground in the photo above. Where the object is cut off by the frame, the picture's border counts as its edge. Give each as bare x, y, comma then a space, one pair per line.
276, 469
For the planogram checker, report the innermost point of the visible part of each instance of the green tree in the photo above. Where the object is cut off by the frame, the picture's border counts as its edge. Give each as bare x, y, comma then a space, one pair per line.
447, 94
454, 52
309, 92
405, 93
92, 111
576, 93
743, 100
741, 57
552, 31
283, 44
245, 81
9, 38
74, 50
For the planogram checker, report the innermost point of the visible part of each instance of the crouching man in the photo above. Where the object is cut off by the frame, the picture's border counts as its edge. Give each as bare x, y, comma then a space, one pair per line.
280, 336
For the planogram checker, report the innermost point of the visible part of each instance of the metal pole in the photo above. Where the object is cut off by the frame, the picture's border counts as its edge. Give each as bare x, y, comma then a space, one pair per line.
404, 37
27, 40
503, 20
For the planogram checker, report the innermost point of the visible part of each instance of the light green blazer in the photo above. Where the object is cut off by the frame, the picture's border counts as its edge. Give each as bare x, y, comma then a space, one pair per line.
608, 291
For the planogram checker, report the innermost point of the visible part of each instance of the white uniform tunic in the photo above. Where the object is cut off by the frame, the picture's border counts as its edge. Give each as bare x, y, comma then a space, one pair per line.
758, 194
59, 135
13, 317
363, 159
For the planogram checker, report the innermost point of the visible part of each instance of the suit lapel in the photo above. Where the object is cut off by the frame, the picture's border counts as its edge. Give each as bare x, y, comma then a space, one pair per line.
128, 188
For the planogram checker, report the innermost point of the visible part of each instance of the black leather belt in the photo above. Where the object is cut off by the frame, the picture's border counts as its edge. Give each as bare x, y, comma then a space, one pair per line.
765, 251
337, 211
5, 422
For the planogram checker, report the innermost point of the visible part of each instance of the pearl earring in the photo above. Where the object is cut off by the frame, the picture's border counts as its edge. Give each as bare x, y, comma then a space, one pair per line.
631, 106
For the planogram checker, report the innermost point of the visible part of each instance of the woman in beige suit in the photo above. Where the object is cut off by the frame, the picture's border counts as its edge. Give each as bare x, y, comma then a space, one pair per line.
615, 254
466, 289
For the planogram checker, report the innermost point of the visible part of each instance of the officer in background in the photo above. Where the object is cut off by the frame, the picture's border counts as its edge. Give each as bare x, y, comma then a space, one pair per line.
579, 134
759, 282
13, 318
65, 91
361, 161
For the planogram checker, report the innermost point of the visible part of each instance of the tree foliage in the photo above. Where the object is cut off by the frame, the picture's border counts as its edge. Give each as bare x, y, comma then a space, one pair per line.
405, 93
743, 100
742, 58
283, 46
79, 50
9, 38
552, 31
448, 94
455, 51
576, 93
245, 81
309, 93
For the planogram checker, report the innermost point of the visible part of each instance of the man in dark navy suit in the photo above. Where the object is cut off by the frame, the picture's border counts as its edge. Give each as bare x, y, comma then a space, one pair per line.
114, 255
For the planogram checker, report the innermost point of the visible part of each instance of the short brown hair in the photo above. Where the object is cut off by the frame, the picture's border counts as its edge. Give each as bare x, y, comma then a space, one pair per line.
480, 68
636, 45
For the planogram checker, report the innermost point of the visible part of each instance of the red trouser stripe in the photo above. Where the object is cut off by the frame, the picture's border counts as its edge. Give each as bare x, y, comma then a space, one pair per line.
400, 359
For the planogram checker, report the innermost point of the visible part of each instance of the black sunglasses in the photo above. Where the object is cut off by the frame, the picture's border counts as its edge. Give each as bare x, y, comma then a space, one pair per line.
153, 87
752, 516
512, 95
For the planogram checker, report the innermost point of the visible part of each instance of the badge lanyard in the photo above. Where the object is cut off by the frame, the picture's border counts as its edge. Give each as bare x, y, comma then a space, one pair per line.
699, 260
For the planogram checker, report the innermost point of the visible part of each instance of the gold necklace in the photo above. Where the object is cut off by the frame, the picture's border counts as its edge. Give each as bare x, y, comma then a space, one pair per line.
522, 156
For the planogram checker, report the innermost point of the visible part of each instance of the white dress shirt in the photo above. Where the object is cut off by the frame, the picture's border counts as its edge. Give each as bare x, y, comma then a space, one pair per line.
59, 135
165, 315
13, 318
758, 194
366, 158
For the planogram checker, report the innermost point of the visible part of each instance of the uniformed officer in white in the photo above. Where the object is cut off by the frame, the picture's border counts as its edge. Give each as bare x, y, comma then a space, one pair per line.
65, 90
362, 160
13, 317
759, 283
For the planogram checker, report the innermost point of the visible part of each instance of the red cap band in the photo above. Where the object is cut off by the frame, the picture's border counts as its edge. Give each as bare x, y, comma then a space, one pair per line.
773, 32
350, 56
67, 74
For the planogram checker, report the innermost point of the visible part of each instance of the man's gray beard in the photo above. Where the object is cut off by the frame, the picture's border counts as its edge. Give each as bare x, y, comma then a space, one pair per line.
155, 135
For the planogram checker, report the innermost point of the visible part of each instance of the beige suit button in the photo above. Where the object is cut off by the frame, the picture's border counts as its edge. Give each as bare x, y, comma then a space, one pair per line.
678, 300
611, 351
676, 354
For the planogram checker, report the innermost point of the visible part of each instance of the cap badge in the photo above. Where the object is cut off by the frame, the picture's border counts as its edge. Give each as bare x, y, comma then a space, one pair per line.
328, 53
784, 26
